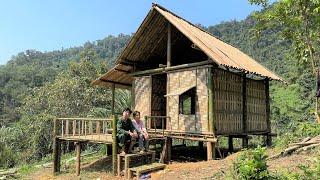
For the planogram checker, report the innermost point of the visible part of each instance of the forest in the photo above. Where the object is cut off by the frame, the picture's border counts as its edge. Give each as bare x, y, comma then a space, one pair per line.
36, 86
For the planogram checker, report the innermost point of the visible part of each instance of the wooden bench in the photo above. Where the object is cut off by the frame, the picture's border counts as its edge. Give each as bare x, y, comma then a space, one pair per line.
145, 168
127, 158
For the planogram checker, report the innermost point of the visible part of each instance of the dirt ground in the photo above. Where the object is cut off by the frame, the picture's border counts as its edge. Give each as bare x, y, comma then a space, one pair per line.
178, 169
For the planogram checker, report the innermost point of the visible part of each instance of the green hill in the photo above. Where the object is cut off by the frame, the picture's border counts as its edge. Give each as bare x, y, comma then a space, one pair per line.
36, 85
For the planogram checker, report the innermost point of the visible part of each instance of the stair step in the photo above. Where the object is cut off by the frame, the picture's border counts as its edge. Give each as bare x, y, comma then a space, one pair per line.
146, 168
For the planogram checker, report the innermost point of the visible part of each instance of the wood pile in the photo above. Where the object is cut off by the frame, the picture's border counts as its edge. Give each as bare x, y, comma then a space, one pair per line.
10, 173
305, 145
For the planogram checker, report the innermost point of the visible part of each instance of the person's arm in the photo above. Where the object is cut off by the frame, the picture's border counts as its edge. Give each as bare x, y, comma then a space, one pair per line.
136, 126
120, 129
143, 127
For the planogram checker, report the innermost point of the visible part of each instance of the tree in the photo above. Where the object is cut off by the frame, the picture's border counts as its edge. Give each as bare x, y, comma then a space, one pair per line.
299, 22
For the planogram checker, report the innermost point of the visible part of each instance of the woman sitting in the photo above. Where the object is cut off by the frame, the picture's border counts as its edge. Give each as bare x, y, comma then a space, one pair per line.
142, 132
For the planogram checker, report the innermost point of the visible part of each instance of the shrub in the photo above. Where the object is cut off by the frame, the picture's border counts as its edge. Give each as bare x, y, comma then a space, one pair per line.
251, 164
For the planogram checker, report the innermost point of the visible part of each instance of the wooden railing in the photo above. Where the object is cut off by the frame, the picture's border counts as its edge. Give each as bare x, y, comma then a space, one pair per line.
152, 123
83, 128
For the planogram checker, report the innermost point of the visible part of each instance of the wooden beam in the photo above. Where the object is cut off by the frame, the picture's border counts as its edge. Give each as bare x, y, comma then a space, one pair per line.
171, 68
122, 70
126, 62
114, 145
78, 157
169, 45
113, 82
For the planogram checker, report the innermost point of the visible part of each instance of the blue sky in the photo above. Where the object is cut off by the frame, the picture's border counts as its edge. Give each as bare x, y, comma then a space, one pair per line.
50, 25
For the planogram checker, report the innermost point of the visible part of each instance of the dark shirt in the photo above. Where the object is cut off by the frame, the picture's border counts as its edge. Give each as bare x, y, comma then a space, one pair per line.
123, 126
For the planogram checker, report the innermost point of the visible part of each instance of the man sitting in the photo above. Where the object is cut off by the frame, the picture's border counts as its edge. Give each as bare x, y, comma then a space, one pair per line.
126, 132
142, 132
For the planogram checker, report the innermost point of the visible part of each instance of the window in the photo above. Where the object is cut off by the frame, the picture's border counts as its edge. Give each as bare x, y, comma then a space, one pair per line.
187, 102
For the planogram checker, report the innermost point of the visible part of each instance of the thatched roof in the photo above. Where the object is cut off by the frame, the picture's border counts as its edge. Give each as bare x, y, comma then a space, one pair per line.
150, 40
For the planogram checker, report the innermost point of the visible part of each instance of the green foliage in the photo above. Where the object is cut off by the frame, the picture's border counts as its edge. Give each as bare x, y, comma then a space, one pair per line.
300, 23
251, 164
296, 133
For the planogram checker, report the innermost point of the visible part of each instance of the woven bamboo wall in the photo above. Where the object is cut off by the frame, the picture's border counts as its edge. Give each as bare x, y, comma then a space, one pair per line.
143, 95
228, 102
182, 80
256, 106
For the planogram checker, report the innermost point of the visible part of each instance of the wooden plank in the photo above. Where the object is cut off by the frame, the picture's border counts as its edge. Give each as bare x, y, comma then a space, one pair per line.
147, 168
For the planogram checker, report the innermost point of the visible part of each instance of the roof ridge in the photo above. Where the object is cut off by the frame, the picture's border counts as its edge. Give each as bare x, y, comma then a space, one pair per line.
225, 43
163, 8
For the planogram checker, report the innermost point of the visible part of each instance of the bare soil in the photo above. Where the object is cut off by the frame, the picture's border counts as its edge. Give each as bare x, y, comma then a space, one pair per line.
178, 168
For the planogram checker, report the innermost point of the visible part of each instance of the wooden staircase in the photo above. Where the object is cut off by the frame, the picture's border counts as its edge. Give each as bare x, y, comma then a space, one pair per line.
136, 164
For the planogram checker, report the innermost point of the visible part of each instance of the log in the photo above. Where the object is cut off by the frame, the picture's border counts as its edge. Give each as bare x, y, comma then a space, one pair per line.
8, 172
308, 141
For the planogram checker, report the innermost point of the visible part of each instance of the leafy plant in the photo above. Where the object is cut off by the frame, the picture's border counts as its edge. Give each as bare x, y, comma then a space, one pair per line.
251, 164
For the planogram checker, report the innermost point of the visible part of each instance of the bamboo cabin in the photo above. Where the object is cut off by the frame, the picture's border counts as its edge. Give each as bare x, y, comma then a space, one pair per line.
190, 85
197, 83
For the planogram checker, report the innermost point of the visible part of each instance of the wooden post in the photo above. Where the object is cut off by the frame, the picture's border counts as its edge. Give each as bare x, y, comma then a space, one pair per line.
245, 142
244, 111
118, 164
169, 147
67, 127
209, 151
74, 128
126, 166
56, 148
113, 98
210, 145
133, 94
230, 144
268, 138
244, 103
78, 158
114, 145
106, 149
169, 46
200, 145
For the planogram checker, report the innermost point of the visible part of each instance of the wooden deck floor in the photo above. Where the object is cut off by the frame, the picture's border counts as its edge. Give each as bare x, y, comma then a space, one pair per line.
95, 138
